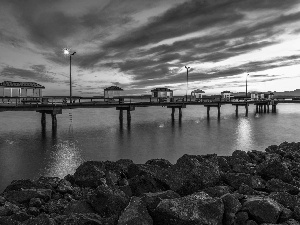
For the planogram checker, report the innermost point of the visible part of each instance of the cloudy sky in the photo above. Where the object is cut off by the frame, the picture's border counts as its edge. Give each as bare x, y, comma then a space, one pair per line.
142, 44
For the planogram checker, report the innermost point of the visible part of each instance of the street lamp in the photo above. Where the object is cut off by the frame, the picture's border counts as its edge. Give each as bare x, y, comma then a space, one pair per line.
246, 86
67, 52
187, 79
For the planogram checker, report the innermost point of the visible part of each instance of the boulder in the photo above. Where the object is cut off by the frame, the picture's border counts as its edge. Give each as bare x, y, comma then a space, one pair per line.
248, 168
20, 216
48, 182
235, 180
144, 184
23, 196
285, 215
89, 174
241, 155
17, 185
35, 202
276, 185
231, 206
42, 219
218, 191
246, 190
223, 164
291, 222
135, 213
55, 206
262, 209
108, 201
274, 167
287, 200
86, 218
33, 211
143, 169
163, 163
7, 220
81, 206
64, 186
256, 156
153, 199
198, 208
241, 218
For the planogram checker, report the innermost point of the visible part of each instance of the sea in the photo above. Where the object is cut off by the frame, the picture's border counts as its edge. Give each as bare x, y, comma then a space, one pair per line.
28, 150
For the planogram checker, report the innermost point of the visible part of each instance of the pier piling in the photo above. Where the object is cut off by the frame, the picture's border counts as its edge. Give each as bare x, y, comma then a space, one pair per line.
43, 118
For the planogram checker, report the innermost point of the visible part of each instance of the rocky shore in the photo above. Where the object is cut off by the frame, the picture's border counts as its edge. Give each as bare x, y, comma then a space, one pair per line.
250, 188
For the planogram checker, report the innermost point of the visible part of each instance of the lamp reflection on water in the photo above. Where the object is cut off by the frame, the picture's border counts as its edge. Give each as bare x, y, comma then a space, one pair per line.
65, 158
244, 134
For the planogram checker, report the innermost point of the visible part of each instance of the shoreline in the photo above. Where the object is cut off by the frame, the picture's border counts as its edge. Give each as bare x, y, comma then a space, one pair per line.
253, 187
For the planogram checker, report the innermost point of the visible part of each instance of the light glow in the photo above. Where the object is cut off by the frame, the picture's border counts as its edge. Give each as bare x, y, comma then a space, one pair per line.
66, 51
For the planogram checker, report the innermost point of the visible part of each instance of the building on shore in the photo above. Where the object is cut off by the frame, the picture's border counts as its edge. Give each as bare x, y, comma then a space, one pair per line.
112, 91
226, 95
21, 89
261, 95
162, 94
197, 94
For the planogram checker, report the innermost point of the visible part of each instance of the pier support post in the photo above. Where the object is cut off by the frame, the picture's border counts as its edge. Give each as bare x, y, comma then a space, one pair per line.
265, 108
43, 119
180, 113
128, 116
236, 110
121, 115
256, 108
173, 113
246, 109
208, 108
54, 120
219, 111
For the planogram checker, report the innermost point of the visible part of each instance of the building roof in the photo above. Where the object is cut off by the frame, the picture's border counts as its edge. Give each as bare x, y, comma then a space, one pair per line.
113, 88
20, 84
198, 91
161, 89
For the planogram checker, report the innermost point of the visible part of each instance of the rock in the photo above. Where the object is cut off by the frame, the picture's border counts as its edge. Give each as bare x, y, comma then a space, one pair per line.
68, 197
287, 200
241, 218
276, 185
135, 213
70, 178
274, 168
7, 220
124, 163
48, 182
144, 184
64, 186
126, 189
2, 200
33, 211
35, 202
81, 206
251, 222
248, 168
218, 191
246, 190
55, 206
163, 163
198, 208
17, 185
256, 156
231, 206
285, 215
4, 211
86, 218
20, 216
296, 213
235, 180
223, 164
143, 169
42, 219
108, 201
25, 195
8, 209
241, 155
262, 209
153, 199
89, 174
291, 222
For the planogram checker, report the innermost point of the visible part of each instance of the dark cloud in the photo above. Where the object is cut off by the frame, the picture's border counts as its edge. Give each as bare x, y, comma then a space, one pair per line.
36, 73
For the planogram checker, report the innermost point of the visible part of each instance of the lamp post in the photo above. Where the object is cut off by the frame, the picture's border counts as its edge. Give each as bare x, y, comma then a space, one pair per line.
246, 86
187, 79
67, 52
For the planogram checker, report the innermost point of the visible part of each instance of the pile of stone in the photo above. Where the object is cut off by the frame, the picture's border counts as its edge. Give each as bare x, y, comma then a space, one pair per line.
246, 188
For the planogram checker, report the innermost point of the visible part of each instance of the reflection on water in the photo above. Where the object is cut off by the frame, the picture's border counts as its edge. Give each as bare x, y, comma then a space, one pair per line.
244, 133
64, 159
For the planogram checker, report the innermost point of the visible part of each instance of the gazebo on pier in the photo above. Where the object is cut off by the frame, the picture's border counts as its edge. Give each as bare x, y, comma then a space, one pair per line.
21, 89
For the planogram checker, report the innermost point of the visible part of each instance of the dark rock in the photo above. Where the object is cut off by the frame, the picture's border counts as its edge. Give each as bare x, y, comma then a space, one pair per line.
231, 206
241, 218
153, 199
20, 216
55, 206
48, 182
143, 169
33, 211
291, 222
57, 196
17, 185
198, 208
64, 186
248, 168
246, 190
285, 215
2, 200
70, 178
163, 163
124, 163
251, 222
89, 174
276, 185
42, 219
237, 179
263, 209
87, 218
35, 202
218, 191
287, 200
274, 168
123, 182
8, 209
126, 189
144, 184
256, 156
7, 220
296, 212
223, 164
68, 197
108, 201
241, 155
4, 211
81, 206
25, 195
135, 213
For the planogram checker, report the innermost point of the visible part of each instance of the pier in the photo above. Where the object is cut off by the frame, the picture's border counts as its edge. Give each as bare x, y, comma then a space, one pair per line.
55, 105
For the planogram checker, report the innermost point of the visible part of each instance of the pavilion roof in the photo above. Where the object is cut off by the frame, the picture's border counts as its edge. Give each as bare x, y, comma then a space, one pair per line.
21, 84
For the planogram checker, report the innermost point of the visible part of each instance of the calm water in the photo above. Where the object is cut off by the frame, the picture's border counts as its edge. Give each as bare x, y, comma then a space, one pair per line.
28, 151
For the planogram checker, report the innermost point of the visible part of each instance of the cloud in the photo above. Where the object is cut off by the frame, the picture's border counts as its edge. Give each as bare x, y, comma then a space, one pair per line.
36, 73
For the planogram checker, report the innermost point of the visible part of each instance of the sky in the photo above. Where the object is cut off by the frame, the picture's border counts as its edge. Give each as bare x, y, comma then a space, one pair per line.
140, 45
